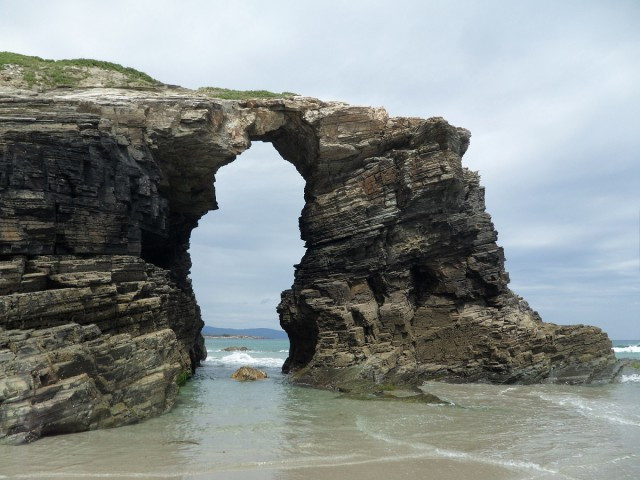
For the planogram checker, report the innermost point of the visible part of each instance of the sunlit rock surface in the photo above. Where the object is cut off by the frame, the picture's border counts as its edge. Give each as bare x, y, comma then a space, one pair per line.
100, 189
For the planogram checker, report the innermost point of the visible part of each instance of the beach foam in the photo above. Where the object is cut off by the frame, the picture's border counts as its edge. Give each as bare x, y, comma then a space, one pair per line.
634, 377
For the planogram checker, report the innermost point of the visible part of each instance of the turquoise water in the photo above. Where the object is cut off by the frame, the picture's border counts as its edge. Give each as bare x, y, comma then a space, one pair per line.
268, 355
223, 429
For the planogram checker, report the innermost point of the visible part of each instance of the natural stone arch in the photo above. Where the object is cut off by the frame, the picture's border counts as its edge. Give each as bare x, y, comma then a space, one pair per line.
402, 280
294, 140
402, 277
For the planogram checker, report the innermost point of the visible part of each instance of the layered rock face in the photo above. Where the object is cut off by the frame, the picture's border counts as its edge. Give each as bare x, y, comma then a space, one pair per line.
99, 192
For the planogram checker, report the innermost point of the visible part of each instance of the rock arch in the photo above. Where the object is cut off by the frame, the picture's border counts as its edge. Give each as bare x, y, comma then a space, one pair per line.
402, 279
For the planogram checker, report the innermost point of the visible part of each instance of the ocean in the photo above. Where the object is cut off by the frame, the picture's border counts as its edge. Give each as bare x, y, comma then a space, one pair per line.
268, 429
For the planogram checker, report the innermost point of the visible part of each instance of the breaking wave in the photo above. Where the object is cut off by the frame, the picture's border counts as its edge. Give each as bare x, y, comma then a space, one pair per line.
240, 359
627, 349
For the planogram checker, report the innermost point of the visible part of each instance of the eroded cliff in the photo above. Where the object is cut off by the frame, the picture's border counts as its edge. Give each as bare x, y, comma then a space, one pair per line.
402, 279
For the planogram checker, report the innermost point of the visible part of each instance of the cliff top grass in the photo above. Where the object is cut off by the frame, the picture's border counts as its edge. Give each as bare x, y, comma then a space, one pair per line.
228, 94
43, 73
32, 72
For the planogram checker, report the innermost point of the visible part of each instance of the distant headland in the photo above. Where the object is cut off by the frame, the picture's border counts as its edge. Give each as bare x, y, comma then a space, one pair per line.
267, 333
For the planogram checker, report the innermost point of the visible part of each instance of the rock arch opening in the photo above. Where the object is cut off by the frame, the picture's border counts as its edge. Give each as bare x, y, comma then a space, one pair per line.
243, 253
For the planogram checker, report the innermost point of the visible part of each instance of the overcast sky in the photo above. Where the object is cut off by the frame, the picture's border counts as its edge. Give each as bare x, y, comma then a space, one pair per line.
549, 89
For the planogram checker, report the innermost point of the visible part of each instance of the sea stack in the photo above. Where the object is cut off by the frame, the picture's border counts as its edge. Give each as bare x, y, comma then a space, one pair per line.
102, 183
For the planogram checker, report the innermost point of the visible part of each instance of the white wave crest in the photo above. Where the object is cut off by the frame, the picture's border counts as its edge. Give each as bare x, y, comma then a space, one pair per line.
629, 349
447, 453
634, 377
283, 351
594, 409
241, 359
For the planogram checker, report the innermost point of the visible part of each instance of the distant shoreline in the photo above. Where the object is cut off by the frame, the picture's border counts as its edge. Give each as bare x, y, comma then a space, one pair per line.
238, 337
248, 333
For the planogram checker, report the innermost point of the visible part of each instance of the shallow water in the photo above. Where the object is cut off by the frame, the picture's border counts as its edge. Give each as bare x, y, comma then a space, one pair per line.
223, 429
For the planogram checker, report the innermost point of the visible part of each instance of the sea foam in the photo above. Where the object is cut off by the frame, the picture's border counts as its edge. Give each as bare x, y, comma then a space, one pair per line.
629, 349
634, 377
244, 359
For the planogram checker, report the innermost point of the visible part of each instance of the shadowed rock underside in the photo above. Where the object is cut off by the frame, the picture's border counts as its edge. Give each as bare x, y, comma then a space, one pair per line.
402, 280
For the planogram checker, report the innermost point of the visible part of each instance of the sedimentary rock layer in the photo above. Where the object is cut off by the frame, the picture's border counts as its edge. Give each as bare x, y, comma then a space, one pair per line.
402, 279
72, 378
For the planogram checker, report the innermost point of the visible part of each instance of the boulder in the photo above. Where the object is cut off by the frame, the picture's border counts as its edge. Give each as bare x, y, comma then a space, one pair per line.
244, 374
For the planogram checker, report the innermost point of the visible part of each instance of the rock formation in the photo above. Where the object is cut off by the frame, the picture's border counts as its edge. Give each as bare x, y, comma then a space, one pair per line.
100, 188
246, 374
236, 349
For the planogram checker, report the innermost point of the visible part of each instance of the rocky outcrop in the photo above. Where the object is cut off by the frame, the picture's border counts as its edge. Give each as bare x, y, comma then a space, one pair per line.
402, 280
90, 342
72, 378
246, 374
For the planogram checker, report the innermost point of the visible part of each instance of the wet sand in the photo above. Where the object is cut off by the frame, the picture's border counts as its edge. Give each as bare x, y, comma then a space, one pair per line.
384, 469
227, 430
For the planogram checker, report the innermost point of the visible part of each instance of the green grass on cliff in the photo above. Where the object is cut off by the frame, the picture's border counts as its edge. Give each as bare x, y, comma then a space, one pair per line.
228, 94
57, 73
43, 73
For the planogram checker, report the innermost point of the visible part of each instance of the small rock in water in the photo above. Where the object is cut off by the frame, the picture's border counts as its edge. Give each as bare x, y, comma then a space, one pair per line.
236, 349
247, 373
